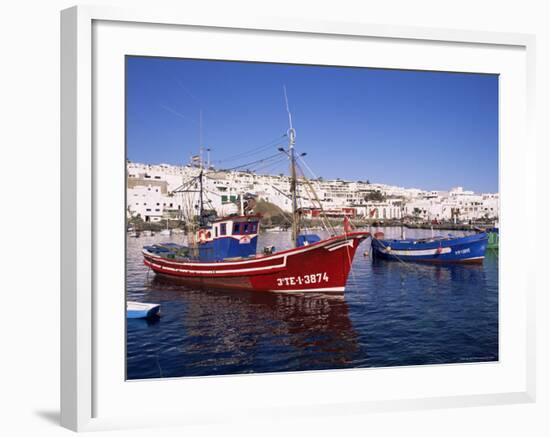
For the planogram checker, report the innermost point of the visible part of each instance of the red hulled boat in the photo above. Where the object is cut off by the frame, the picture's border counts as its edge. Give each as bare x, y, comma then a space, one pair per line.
321, 266
222, 252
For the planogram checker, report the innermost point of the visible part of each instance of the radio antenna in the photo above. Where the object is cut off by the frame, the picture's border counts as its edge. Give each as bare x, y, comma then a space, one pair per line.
292, 155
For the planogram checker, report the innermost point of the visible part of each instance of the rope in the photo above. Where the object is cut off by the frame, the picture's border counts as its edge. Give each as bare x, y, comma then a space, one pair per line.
253, 151
414, 267
350, 259
270, 165
326, 223
395, 256
267, 158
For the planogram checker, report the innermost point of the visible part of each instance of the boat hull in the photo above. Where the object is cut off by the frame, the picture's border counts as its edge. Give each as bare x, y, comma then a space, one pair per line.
470, 249
322, 266
138, 310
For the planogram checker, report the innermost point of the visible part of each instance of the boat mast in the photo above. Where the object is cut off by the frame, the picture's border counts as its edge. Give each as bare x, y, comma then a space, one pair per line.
291, 141
402, 220
201, 202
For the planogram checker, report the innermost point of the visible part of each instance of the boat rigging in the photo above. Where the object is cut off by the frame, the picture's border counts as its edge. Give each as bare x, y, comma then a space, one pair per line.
222, 252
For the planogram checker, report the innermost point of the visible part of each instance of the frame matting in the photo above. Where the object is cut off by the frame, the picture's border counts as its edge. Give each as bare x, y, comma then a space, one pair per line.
94, 394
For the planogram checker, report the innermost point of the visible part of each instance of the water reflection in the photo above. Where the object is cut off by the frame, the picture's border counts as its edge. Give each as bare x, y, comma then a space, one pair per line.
443, 274
391, 314
212, 331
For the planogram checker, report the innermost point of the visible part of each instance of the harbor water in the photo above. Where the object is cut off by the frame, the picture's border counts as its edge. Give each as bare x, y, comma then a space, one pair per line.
391, 314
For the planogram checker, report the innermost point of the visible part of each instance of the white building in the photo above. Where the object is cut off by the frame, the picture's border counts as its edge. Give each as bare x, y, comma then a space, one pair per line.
456, 205
155, 192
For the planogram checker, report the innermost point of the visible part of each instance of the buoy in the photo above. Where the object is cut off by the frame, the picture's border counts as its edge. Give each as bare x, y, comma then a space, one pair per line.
366, 253
202, 235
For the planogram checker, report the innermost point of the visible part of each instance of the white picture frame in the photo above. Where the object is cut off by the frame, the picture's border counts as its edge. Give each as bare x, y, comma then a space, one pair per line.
83, 377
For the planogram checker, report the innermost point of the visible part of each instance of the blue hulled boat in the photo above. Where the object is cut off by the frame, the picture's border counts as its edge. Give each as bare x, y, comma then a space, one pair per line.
140, 310
470, 249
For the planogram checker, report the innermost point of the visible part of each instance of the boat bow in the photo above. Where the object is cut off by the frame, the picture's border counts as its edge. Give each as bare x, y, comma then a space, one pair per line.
321, 266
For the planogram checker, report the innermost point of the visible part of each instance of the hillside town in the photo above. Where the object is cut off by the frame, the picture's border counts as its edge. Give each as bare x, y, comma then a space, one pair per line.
154, 194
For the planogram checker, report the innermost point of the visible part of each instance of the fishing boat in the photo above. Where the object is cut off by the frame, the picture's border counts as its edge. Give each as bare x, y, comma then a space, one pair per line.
314, 265
449, 249
223, 254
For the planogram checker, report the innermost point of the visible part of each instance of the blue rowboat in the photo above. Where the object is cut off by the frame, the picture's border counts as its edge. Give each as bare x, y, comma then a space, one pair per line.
470, 249
138, 310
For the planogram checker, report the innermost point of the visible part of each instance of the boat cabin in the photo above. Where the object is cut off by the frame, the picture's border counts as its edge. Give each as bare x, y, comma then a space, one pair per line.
229, 237
307, 239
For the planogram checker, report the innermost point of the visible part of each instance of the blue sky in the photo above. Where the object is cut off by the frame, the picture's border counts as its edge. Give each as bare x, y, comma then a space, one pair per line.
429, 130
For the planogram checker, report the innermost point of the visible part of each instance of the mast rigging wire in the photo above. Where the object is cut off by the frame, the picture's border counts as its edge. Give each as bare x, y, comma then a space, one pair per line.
254, 162
253, 151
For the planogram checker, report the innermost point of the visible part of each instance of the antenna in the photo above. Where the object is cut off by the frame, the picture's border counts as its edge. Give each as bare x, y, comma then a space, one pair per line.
292, 155
200, 137
200, 127
208, 150
291, 131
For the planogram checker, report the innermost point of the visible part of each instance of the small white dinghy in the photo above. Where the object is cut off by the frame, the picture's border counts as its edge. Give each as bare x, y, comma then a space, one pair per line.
139, 310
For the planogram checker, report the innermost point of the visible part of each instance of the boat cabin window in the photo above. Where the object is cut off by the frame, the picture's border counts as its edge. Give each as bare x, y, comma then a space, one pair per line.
215, 231
223, 228
245, 228
252, 228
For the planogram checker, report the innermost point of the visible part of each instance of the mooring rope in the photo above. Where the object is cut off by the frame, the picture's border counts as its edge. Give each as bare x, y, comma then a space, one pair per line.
355, 282
416, 268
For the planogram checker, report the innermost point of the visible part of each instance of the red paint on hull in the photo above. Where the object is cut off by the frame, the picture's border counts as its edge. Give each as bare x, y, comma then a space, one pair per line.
323, 266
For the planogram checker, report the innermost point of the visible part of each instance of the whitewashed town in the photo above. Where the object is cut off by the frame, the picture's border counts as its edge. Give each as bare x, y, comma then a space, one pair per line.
152, 196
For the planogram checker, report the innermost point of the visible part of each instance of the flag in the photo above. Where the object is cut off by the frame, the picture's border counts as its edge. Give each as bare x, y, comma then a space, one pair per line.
347, 225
